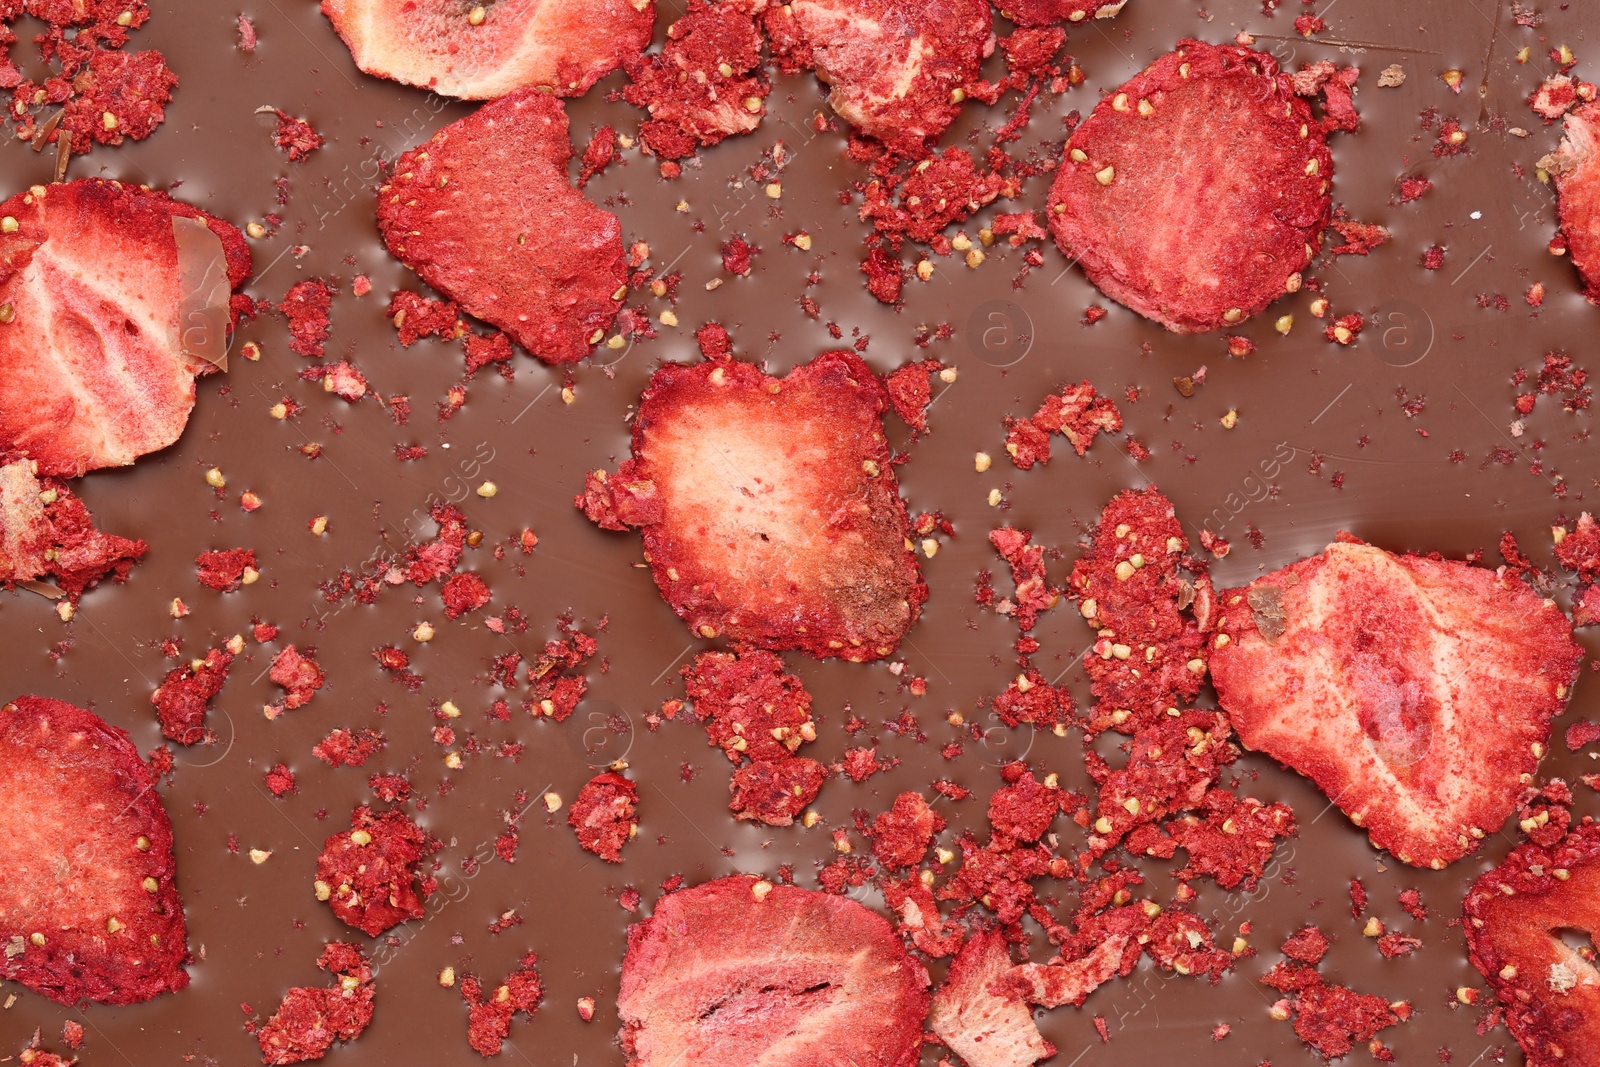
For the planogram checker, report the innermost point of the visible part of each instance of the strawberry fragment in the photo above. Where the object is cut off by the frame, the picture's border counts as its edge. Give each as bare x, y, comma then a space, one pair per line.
482, 53
489, 1017
902, 835
1076, 413
752, 709
484, 211
224, 569
984, 1028
707, 82
46, 531
1047, 12
88, 908
96, 375
185, 694
790, 479
743, 971
913, 904
1216, 250
911, 390
605, 815
310, 1020
775, 791
299, 674
369, 873
1575, 169
1415, 692
895, 66
1329, 1018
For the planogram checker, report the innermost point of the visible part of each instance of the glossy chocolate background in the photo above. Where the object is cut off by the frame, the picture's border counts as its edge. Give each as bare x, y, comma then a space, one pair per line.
256, 929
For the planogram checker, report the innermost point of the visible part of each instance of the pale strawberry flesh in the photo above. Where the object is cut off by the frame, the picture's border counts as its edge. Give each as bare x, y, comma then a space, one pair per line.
1575, 168
984, 1028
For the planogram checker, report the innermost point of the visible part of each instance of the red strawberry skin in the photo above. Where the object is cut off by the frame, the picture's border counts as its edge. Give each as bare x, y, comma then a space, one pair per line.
1413, 691
89, 908
559, 45
1575, 167
1550, 994
485, 213
737, 971
893, 64
769, 507
1202, 212
92, 372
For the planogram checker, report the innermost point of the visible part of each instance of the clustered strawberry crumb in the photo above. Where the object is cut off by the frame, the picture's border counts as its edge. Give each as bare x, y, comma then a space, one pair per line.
1077, 413
369, 875
605, 815
47, 532
489, 1014
185, 694
310, 1020
1329, 1017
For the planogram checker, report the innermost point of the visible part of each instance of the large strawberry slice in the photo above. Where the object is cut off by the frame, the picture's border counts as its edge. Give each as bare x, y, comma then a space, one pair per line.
984, 1028
105, 322
769, 507
88, 905
1196, 193
1575, 168
1515, 917
46, 531
1414, 691
743, 971
896, 67
485, 212
482, 51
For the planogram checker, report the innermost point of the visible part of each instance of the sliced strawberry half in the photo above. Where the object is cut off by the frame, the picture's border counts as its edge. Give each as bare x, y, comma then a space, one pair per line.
1575, 168
1414, 691
742, 971
983, 1028
484, 211
97, 327
1232, 232
895, 66
480, 52
88, 907
769, 507
1516, 915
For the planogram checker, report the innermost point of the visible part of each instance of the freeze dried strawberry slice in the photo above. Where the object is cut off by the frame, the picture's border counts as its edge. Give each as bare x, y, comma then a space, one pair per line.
369, 873
1575, 168
1048, 12
484, 211
185, 693
605, 815
769, 507
98, 329
88, 906
310, 1020
1413, 691
706, 84
894, 65
752, 709
480, 52
775, 791
1516, 916
1234, 233
983, 1028
743, 971
46, 531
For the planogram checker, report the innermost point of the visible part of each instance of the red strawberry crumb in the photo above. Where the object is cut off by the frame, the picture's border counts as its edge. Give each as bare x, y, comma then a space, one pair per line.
489, 1015
463, 593
913, 905
390, 788
706, 84
1076, 412
370, 874
184, 695
1411, 901
775, 792
1358, 898
307, 305
416, 317
224, 570
752, 709
1414, 188
310, 1020
910, 390
247, 35
295, 136
1034, 593
1393, 944
902, 835
71, 1035
280, 781
605, 815
859, 764
346, 748
298, 674
46, 531
885, 274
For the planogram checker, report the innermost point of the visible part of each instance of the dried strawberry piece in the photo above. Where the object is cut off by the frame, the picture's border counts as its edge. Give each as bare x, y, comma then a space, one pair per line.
1515, 916
307, 305
1330, 1018
1360, 238
310, 1020
415, 317
369, 874
55, 539
902, 835
1034, 593
819, 972
1152, 621
298, 673
463, 593
885, 274
894, 66
124, 97
775, 792
1557, 95
437, 557
342, 379
34, 1056
224, 569
1170, 766
1232, 839
706, 84
97, 375
484, 350
1047, 12
791, 479
1062, 981
930, 196
556, 691
984, 1028
561, 46
998, 874
1421, 737
88, 907
279, 781
910, 391
1307, 945
1575, 169
1077, 413
605, 815
1024, 807
752, 709
912, 903
185, 694
485, 212
1259, 201
1030, 699
1579, 551
489, 1017
345, 748
295, 136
